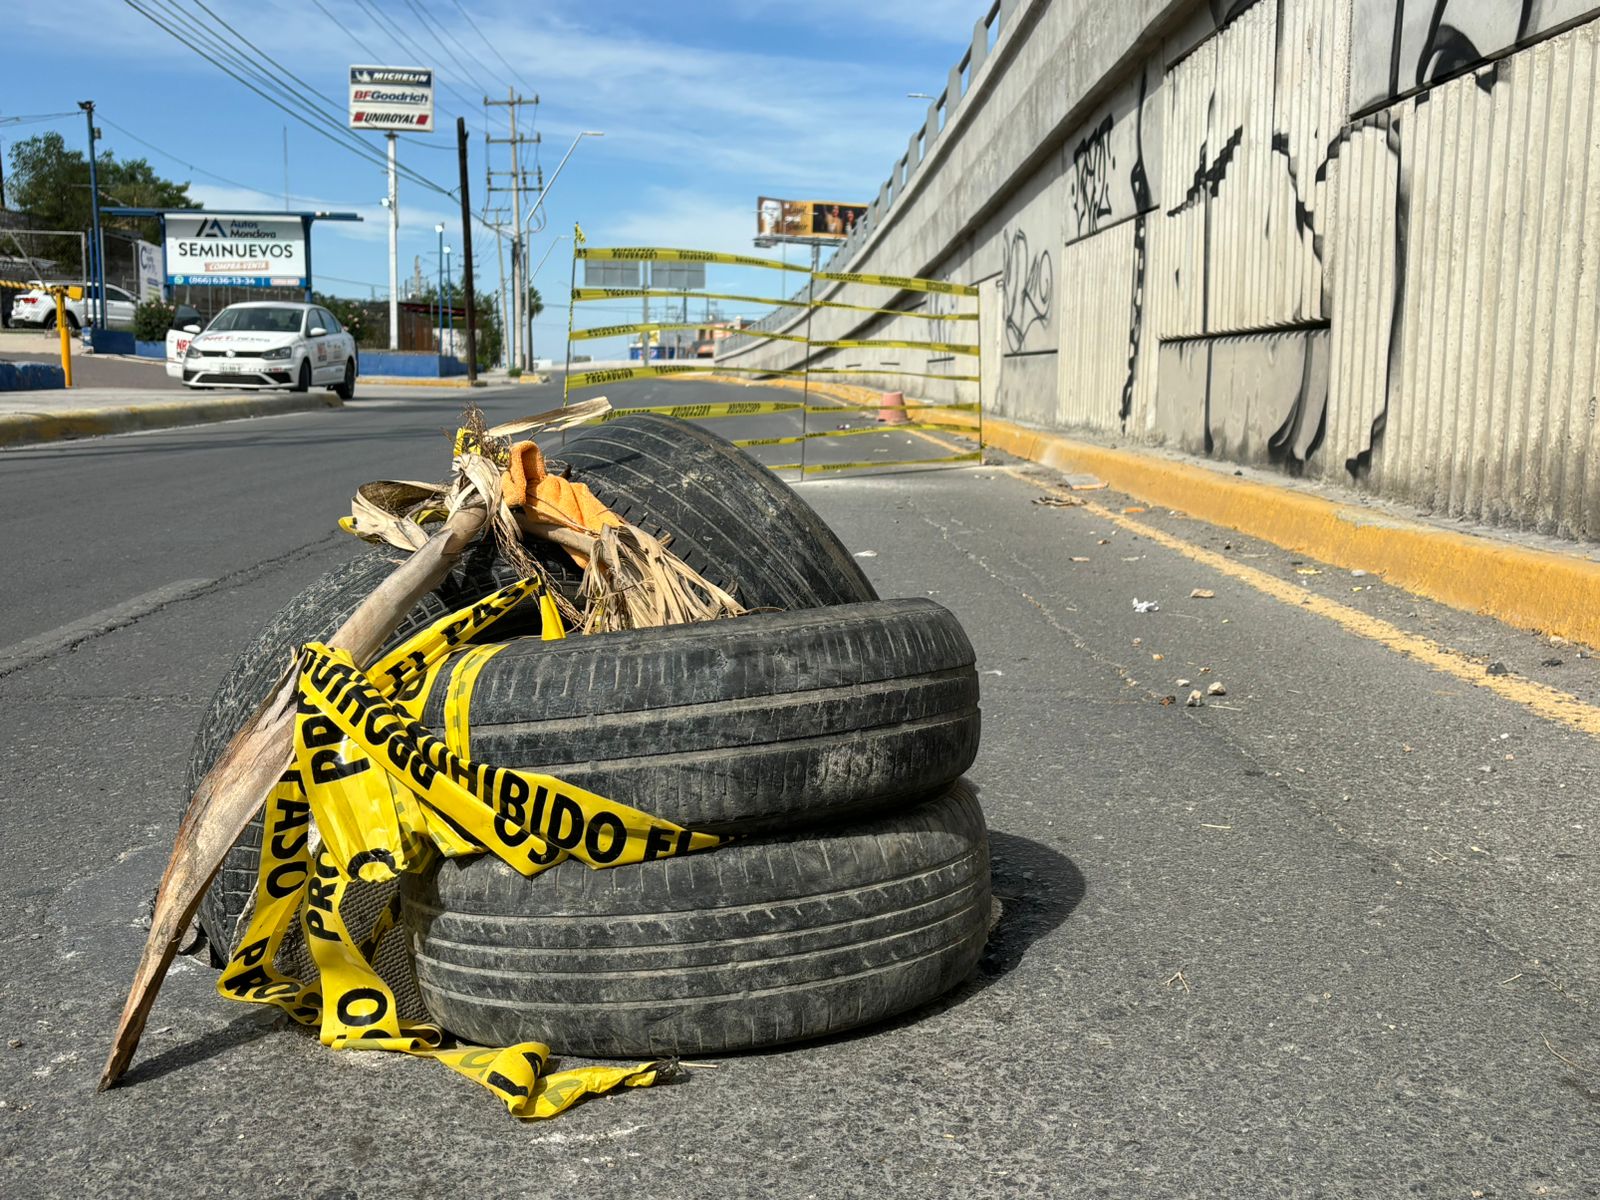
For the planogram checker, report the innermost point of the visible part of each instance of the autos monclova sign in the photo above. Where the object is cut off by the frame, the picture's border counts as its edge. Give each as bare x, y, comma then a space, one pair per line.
393, 99
215, 249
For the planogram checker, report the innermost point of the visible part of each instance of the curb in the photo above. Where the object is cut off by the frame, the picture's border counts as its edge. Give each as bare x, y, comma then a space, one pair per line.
1535, 589
450, 381
32, 428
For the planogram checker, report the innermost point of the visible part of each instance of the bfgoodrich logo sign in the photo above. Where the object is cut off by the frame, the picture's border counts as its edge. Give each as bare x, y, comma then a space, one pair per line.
241, 251
391, 98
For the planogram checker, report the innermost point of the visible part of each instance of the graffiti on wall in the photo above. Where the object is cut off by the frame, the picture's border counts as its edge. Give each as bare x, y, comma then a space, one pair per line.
1402, 45
1092, 165
1027, 288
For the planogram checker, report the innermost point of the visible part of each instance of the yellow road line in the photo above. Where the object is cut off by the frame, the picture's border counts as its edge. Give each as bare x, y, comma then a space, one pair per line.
1560, 707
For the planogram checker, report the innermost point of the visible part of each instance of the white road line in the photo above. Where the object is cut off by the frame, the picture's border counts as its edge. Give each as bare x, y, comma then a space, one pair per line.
42, 646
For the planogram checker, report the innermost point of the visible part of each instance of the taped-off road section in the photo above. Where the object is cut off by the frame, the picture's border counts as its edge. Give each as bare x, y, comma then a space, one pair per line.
384, 796
939, 357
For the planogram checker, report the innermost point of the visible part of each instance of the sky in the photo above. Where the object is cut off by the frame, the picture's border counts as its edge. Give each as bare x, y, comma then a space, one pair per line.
703, 107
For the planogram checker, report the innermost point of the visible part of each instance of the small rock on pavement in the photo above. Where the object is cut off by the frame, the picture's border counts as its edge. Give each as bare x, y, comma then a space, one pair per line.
1216, 689
1202, 594
1497, 668
1180, 683
1194, 700
1550, 662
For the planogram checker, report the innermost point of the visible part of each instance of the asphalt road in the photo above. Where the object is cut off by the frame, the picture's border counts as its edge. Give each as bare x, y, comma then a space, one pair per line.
1330, 934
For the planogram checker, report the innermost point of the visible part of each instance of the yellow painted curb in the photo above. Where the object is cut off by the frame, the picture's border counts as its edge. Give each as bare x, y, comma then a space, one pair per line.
1534, 589
32, 428
449, 381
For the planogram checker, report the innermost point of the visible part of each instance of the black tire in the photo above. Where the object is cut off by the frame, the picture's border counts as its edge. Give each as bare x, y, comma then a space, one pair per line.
325, 604
312, 616
730, 518
763, 723
347, 389
302, 382
756, 943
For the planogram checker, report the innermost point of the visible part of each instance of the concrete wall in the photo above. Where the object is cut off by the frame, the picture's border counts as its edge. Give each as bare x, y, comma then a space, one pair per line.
1355, 239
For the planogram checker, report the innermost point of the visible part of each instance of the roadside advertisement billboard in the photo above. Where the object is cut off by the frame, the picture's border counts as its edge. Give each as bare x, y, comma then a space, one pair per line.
151, 277
218, 250
391, 99
807, 218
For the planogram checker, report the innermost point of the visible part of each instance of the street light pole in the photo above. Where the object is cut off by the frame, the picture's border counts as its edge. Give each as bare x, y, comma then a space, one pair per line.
528, 221
439, 315
450, 307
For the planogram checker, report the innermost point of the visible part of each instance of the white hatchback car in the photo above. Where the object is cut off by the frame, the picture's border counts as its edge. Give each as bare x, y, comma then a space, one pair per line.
272, 344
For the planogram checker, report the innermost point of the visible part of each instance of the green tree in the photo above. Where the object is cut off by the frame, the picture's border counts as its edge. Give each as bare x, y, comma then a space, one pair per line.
50, 182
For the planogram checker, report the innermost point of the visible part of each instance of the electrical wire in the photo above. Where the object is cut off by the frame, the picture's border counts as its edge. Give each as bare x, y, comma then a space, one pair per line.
421, 55
491, 45
148, 145
333, 131
429, 25
36, 118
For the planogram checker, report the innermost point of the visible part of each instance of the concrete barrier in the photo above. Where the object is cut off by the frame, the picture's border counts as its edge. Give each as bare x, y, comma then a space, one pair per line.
410, 364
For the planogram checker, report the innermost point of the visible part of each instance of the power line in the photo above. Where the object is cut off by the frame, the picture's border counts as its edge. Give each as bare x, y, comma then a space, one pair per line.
466, 72
421, 55
491, 46
338, 135
101, 119
371, 53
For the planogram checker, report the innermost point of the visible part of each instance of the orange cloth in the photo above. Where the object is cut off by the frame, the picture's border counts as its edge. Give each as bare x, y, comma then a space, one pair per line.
550, 498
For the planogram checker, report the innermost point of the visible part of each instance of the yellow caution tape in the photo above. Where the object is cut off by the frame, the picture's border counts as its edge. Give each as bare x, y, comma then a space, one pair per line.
610, 375
386, 796
879, 343
825, 468
586, 294
710, 412
909, 283
656, 254
791, 439
605, 331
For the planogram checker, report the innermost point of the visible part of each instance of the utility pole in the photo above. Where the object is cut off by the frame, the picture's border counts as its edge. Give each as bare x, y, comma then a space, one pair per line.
466, 254
97, 250
517, 338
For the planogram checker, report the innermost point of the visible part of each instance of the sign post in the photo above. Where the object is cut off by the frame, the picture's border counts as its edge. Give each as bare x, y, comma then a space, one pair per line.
394, 100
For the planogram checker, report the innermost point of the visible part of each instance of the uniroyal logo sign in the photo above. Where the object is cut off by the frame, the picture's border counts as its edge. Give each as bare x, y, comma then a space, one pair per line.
391, 98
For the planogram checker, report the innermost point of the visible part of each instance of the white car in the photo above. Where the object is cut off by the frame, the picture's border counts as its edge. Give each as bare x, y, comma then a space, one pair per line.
272, 344
38, 307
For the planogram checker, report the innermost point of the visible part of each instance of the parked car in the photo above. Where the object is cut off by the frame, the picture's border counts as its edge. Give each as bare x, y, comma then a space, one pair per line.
178, 337
37, 307
271, 344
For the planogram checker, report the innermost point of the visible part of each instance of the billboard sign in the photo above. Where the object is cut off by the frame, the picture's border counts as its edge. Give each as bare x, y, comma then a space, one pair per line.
391, 99
151, 276
807, 219
216, 250
598, 273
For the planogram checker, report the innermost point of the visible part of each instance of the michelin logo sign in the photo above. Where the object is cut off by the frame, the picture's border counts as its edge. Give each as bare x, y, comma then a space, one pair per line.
216, 249
391, 99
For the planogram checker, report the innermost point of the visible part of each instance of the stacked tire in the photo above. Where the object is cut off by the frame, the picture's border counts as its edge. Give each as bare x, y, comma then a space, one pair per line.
825, 734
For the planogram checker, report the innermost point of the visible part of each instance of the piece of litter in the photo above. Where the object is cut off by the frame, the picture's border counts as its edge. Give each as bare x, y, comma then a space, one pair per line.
1194, 699
1104, 542
1058, 501
1549, 662
1168, 701
1157, 657
1203, 825
1133, 558
991, 672
1180, 683
1497, 668
1216, 689
1145, 606
1135, 508
866, 554
1358, 573
1202, 594
1079, 558
1307, 571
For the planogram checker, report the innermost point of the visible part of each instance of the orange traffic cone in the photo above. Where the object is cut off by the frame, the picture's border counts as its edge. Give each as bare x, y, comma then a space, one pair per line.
892, 409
